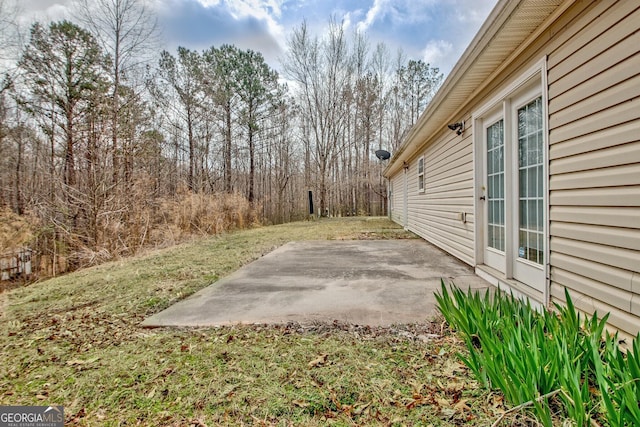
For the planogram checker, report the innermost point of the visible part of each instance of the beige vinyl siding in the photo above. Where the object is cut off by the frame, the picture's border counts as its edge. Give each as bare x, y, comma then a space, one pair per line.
435, 213
594, 125
626, 217
621, 320
592, 52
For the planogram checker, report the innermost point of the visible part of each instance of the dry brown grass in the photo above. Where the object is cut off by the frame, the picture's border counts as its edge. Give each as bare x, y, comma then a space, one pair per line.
76, 340
143, 224
193, 214
16, 231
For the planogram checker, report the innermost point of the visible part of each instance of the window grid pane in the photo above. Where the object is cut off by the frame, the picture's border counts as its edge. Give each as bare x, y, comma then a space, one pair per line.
495, 185
531, 197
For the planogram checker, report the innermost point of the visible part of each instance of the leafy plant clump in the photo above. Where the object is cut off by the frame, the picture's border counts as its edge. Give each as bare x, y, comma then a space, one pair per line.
552, 362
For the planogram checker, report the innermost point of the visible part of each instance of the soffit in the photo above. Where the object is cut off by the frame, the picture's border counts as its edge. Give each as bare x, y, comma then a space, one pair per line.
510, 24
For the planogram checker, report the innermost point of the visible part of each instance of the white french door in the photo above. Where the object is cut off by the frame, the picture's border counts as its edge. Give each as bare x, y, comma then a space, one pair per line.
529, 227
405, 204
514, 190
494, 161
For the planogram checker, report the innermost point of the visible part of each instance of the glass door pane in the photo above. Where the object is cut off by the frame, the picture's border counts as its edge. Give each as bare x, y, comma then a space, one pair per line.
495, 186
530, 177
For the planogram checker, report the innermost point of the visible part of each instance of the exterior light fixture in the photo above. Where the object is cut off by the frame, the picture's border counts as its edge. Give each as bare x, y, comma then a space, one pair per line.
458, 127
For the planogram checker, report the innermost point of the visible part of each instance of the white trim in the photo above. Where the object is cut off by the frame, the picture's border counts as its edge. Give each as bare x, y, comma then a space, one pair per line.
421, 174
479, 167
495, 258
546, 294
477, 217
405, 199
513, 87
504, 286
508, 185
530, 84
390, 197
529, 93
522, 267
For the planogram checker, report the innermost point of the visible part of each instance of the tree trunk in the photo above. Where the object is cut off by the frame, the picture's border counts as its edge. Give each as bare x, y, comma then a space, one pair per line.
252, 159
18, 180
227, 148
190, 180
252, 166
114, 118
69, 162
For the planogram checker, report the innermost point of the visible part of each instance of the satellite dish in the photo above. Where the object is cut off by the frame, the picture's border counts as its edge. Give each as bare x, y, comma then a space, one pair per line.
383, 154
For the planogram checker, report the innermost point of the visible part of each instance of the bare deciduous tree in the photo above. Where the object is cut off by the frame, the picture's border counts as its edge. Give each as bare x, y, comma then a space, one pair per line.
9, 33
322, 69
109, 165
127, 30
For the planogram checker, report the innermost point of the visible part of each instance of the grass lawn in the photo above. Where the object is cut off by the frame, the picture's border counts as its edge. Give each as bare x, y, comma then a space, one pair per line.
75, 341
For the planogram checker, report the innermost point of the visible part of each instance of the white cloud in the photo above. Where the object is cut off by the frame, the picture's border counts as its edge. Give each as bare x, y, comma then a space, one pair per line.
401, 12
247, 24
267, 11
260, 9
436, 30
209, 3
44, 10
438, 53
379, 9
472, 11
346, 20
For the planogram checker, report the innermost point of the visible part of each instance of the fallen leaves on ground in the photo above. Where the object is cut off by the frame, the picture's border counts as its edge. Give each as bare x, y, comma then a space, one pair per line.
319, 361
76, 341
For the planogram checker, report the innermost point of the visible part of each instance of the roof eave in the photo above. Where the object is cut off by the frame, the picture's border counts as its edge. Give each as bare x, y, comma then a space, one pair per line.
443, 108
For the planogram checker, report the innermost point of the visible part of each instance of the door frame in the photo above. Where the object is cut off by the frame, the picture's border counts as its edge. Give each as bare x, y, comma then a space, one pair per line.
493, 257
502, 101
405, 204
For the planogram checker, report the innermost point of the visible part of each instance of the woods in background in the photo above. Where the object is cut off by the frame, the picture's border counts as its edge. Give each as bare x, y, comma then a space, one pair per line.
106, 149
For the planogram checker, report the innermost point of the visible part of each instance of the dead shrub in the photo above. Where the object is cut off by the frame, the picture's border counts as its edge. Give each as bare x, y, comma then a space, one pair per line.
16, 231
194, 214
124, 228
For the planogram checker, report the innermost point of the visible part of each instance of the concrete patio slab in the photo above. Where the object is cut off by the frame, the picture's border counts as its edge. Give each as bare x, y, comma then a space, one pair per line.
365, 282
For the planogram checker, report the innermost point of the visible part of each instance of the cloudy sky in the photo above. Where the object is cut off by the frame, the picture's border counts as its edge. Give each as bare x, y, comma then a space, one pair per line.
436, 31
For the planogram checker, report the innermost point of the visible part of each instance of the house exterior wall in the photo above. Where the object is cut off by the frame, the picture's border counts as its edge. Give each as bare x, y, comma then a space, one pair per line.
397, 198
435, 213
592, 53
594, 150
